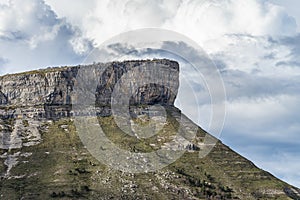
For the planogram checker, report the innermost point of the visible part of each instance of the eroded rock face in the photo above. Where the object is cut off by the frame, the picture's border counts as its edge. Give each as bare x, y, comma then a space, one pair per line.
49, 93
160, 88
27, 99
3, 98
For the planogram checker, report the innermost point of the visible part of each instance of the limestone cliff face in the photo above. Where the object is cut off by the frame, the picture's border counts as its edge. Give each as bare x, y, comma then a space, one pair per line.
27, 99
48, 93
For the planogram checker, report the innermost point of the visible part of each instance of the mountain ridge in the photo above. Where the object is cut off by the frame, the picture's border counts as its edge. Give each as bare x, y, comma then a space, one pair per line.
37, 124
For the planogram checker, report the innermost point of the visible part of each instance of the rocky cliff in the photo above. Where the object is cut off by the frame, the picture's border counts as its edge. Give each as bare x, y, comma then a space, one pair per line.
27, 99
48, 93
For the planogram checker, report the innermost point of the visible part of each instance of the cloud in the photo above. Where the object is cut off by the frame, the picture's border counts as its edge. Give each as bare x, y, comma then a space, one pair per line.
30, 21
291, 7
265, 118
32, 36
206, 20
200, 20
106, 18
3, 61
294, 43
241, 85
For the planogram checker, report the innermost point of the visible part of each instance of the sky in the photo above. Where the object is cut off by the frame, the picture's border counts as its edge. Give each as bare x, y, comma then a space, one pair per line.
255, 44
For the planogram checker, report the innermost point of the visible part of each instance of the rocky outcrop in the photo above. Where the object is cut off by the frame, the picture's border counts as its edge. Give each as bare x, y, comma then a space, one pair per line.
49, 93
3, 98
28, 98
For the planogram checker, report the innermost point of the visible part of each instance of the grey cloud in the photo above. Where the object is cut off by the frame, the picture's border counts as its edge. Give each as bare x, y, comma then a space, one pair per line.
123, 49
46, 41
188, 53
288, 63
294, 43
241, 84
3, 61
13, 36
55, 52
269, 56
257, 82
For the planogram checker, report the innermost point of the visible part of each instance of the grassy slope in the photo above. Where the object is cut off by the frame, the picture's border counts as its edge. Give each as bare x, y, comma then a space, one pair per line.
61, 168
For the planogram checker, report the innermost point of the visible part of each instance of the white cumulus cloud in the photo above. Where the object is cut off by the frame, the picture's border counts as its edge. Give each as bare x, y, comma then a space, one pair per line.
32, 36
201, 20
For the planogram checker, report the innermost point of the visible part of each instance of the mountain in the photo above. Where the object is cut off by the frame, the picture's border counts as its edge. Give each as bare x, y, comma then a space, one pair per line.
47, 118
